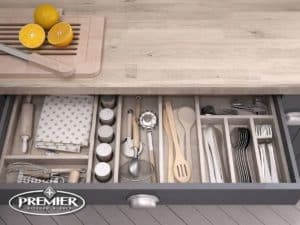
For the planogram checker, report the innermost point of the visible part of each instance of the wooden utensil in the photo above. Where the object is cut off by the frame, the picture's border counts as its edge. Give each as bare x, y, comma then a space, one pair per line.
43, 61
180, 131
170, 148
181, 168
187, 118
74, 176
26, 122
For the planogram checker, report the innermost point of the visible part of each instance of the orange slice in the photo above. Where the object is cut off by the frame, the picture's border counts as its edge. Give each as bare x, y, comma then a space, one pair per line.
60, 35
32, 35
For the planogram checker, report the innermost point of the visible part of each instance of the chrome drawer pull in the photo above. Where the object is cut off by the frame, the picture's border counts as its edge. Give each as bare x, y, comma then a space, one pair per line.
293, 118
140, 201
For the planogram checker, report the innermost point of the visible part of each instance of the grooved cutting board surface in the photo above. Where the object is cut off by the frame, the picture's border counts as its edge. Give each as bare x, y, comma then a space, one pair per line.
84, 53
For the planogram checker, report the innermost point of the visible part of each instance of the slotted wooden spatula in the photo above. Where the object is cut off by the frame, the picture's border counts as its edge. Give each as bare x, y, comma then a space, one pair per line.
182, 170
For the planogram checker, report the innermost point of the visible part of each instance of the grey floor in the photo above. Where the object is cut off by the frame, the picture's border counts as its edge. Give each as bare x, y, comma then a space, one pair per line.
175, 214
163, 215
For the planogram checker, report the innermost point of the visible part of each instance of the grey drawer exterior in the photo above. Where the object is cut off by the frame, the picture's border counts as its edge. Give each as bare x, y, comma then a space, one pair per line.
288, 193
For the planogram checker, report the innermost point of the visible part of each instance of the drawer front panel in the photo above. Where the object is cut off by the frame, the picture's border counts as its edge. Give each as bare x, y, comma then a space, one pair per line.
172, 194
200, 189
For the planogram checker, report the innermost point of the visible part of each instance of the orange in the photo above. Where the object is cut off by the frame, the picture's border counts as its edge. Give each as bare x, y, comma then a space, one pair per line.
60, 35
32, 35
46, 15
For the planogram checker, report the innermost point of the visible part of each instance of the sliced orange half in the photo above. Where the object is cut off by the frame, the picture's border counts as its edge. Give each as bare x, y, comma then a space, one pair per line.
60, 35
32, 35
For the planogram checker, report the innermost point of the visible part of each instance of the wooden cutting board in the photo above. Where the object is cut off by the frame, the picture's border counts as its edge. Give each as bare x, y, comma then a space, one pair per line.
84, 53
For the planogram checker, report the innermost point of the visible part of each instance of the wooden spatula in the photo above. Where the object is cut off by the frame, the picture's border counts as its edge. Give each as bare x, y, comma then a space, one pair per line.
55, 66
181, 168
170, 147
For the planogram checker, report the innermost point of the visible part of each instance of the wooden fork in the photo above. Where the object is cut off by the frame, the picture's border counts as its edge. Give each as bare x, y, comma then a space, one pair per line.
181, 169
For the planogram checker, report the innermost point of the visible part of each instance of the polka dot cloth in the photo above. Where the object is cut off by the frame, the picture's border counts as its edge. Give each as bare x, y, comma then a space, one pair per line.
65, 123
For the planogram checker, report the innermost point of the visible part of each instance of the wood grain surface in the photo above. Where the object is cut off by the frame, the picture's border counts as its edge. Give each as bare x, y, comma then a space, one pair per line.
184, 46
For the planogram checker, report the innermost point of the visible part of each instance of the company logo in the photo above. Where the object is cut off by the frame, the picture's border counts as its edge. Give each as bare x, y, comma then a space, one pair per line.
48, 202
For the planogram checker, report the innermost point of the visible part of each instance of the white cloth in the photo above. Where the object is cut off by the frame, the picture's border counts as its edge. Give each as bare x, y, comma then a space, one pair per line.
65, 123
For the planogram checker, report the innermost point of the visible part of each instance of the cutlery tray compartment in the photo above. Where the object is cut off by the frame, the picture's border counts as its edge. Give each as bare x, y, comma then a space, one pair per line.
12, 150
224, 121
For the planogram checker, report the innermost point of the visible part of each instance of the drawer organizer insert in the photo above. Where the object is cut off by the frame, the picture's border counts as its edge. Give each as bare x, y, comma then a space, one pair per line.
233, 139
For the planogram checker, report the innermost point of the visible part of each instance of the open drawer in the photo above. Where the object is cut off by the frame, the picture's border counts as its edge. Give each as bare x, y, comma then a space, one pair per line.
217, 177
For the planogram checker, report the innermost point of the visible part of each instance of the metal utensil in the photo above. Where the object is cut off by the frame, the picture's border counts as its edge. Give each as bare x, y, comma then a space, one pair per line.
25, 179
213, 154
181, 168
32, 173
257, 107
134, 163
136, 169
210, 110
127, 143
263, 131
148, 121
240, 139
264, 136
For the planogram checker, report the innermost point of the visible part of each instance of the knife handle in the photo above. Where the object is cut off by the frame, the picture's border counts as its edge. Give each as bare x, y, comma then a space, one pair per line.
52, 64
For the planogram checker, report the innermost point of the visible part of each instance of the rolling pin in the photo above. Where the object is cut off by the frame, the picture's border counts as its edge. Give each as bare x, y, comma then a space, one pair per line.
74, 177
26, 123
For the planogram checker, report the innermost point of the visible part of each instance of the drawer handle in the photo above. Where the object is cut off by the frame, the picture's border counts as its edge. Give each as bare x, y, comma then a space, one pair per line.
140, 201
293, 118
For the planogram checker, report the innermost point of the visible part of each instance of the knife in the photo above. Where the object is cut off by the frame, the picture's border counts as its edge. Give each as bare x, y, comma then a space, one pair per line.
48, 63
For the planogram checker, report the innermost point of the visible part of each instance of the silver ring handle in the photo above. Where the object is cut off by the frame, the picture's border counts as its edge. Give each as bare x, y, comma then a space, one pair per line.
142, 201
293, 118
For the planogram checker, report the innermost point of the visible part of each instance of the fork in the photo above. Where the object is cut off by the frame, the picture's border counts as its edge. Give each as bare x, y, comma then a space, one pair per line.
240, 139
264, 135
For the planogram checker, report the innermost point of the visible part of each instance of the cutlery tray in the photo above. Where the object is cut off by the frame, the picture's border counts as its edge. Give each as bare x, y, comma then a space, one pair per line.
86, 159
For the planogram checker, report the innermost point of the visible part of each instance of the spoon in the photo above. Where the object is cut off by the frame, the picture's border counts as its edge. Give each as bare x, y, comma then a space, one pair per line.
187, 118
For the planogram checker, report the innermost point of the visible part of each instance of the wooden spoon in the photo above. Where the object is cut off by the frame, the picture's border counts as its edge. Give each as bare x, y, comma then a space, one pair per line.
181, 168
187, 118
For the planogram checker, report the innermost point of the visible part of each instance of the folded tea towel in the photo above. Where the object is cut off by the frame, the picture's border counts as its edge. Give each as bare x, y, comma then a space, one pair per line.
65, 123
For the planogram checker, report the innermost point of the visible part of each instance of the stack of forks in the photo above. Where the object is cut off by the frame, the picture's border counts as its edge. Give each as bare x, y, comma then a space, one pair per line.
240, 140
266, 158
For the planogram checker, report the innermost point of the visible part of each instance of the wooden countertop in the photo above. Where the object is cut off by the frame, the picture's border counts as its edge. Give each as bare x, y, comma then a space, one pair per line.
185, 47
